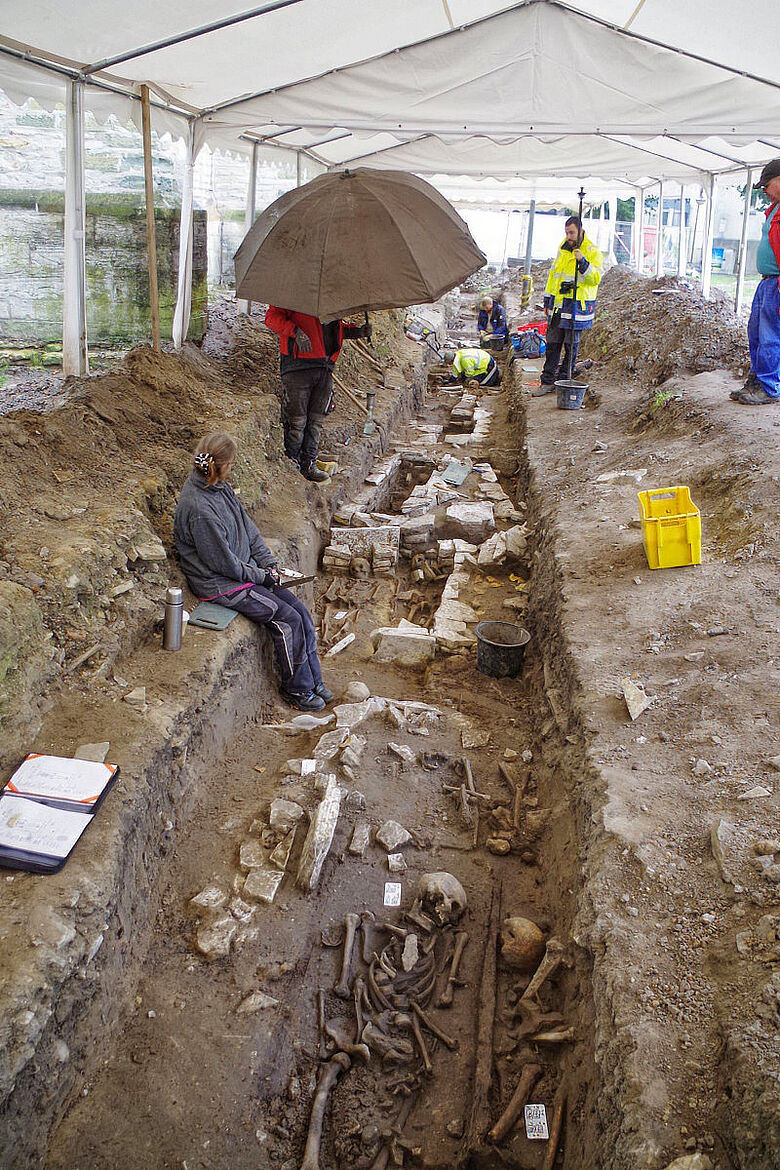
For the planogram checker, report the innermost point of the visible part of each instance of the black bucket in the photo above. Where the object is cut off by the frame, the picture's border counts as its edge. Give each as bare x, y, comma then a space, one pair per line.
500, 648
570, 393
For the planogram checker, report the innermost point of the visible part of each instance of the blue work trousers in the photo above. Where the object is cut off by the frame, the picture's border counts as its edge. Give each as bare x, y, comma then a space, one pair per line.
764, 336
292, 631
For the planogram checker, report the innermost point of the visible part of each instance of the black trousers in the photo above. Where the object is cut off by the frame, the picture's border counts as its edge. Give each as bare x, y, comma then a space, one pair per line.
306, 395
292, 631
558, 340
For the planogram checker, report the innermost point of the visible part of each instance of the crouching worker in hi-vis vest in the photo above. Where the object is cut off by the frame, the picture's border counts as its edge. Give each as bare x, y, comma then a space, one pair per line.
472, 365
578, 252
225, 559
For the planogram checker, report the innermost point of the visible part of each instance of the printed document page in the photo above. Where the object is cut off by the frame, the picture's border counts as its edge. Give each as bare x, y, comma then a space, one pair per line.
61, 778
31, 827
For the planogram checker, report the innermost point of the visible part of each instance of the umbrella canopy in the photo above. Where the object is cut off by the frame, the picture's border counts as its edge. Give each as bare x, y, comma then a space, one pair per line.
355, 240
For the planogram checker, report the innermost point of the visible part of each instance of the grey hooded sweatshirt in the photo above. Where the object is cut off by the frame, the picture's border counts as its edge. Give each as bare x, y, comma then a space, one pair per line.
219, 546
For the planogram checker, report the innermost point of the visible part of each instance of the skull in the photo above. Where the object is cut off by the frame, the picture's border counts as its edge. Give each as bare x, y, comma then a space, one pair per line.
442, 897
522, 944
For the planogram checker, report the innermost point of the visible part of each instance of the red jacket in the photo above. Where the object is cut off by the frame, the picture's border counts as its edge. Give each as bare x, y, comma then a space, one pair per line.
286, 321
774, 230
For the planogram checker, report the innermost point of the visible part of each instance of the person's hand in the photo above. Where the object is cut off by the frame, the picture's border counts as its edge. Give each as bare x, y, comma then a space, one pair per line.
578, 254
273, 576
365, 331
302, 341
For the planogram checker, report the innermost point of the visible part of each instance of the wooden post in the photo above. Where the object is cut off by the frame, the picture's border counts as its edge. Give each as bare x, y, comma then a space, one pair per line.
151, 242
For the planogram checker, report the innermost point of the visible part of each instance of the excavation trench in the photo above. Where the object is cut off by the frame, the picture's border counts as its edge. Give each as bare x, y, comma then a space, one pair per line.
218, 1060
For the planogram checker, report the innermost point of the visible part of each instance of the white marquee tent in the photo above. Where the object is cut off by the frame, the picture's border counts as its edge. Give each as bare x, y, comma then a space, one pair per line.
623, 91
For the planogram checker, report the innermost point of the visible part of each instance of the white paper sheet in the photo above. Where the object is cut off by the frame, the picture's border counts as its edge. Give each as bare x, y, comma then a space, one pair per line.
61, 778
37, 828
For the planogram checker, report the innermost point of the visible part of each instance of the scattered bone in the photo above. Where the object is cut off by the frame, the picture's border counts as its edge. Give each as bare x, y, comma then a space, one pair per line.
256, 1001
498, 845
338, 1031
553, 957
410, 953
392, 1051
562, 1036
507, 1120
555, 1131
351, 923
320, 836
461, 938
434, 1028
421, 1043
486, 1013
329, 1074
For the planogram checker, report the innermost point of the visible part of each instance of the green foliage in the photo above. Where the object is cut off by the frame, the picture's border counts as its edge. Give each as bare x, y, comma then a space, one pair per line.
661, 399
625, 210
3, 373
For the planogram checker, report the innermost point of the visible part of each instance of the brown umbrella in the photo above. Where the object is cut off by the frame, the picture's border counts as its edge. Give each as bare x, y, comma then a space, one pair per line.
355, 240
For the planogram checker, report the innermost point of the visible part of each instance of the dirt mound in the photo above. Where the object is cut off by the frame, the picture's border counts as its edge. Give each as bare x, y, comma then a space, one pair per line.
653, 328
88, 491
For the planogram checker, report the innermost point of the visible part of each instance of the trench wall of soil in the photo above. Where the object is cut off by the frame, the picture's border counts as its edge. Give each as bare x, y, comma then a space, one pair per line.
72, 943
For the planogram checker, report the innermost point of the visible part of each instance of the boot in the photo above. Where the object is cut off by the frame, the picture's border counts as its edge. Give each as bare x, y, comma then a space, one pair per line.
325, 693
312, 472
303, 702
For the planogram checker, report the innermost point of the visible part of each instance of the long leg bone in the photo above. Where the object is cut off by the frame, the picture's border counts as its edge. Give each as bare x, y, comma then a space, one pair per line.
358, 992
433, 1028
351, 923
461, 938
367, 920
329, 1074
555, 1132
528, 1078
553, 957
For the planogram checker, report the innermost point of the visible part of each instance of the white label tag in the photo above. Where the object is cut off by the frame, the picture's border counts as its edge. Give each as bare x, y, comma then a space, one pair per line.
392, 894
536, 1123
308, 767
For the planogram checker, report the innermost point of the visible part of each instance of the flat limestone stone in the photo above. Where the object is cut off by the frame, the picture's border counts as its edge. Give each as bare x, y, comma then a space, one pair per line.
210, 898
392, 836
284, 814
396, 862
251, 854
262, 884
472, 521
96, 752
360, 838
256, 1001
320, 837
213, 940
403, 647
281, 854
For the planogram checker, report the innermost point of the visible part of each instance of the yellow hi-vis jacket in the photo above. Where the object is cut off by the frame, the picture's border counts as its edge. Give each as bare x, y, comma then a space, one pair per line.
561, 273
471, 363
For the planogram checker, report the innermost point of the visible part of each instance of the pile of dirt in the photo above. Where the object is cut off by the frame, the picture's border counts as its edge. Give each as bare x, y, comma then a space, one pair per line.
653, 328
88, 491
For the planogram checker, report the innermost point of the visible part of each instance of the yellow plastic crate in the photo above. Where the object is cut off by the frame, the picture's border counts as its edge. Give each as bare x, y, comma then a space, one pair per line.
671, 527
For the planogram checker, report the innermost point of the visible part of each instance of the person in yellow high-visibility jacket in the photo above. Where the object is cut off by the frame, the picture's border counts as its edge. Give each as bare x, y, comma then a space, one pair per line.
473, 365
578, 252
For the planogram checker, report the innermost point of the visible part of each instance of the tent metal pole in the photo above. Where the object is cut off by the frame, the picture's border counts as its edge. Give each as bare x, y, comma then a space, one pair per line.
298, 168
75, 358
183, 307
742, 266
659, 248
709, 235
635, 228
151, 241
529, 243
179, 38
249, 215
641, 242
681, 255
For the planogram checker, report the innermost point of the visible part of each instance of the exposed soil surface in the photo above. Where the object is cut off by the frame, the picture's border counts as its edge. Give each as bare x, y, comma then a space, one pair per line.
648, 848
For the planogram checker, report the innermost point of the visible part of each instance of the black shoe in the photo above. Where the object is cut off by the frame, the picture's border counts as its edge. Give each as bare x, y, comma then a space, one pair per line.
750, 384
305, 702
325, 693
313, 473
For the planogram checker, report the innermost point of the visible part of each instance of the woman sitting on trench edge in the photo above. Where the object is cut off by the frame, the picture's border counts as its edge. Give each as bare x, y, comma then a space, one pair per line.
226, 560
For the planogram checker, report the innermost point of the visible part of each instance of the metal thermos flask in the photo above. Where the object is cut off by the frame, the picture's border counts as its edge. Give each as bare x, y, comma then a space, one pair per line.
174, 619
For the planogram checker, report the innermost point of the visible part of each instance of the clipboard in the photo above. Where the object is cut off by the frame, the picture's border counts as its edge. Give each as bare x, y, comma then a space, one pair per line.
210, 616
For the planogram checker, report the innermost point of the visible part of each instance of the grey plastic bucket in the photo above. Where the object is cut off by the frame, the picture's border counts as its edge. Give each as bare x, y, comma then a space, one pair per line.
570, 393
500, 648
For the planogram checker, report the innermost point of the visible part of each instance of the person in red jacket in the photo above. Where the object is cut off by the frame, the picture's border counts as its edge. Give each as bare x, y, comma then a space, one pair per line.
309, 350
762, 387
